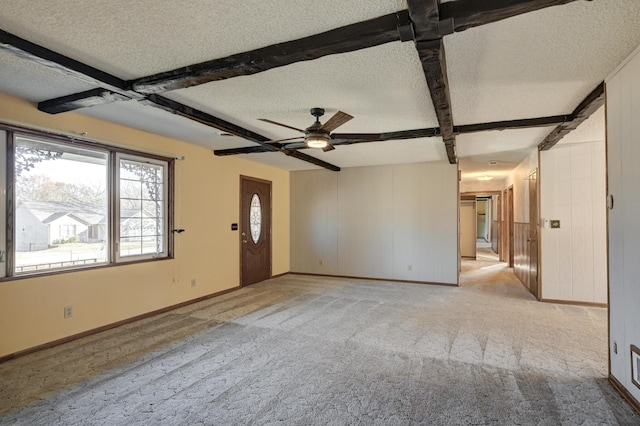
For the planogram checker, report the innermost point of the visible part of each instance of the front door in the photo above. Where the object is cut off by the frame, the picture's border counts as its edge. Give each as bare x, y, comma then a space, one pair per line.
255, 230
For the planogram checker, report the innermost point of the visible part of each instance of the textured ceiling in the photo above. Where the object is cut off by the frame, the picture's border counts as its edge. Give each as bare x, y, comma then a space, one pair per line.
35, 83
541, 63
538, 64
507, 147
133, 39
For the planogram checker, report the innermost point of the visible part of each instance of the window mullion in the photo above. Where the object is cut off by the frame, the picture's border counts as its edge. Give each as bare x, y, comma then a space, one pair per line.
114, 207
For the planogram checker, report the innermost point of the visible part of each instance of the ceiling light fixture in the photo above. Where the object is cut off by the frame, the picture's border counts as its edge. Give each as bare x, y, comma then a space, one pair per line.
317, 140
485, 177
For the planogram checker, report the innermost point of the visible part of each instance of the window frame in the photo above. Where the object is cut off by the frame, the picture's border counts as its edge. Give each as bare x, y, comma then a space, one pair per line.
8, 135
119, 258
4, 258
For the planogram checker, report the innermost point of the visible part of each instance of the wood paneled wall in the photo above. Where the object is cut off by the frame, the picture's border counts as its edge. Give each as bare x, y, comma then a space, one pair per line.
623, 155
573, 191
390, 222
521, 256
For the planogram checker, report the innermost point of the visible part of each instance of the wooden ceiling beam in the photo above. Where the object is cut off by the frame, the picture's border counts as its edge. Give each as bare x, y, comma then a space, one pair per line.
112, 87
426, 23
60, 63
583, 111
309, 159
89, 98
465, 14
186, 111
361, 35
525, 123
339, 139
220, 124
117, 89
242, 150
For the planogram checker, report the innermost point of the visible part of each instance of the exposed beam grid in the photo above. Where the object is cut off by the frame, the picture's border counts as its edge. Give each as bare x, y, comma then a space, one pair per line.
433, 22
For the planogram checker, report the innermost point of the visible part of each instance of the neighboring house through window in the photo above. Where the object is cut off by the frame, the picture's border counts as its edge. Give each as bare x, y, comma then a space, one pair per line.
66, 212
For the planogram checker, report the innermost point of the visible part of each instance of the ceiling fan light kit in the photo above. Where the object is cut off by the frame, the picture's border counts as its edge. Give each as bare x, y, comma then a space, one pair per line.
317, 140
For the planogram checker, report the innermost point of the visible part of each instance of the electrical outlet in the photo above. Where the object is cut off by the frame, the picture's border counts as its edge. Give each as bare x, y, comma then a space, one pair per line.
193, 282
321, 262
409, 267
68, 311
615, 347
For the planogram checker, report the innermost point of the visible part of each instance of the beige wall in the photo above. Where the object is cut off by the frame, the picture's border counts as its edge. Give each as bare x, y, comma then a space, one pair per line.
480, 186
518, 178
207, 202
391, 222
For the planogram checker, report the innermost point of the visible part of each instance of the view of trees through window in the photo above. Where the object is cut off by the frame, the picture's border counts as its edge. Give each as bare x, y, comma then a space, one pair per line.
141, 208
60, 206
77, 204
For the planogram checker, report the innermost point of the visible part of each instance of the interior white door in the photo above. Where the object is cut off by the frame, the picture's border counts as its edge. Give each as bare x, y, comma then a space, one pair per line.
468, 228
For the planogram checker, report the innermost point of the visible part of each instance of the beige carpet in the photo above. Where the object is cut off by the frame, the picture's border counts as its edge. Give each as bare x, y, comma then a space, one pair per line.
303, 350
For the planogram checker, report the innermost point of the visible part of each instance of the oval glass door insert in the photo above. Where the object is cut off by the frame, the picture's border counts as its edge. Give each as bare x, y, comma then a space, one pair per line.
255, 218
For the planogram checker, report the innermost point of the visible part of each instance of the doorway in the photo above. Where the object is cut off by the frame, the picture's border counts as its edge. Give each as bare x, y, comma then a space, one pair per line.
533, 234
480, 231
506, 253
486, 233
468, 227
255, 230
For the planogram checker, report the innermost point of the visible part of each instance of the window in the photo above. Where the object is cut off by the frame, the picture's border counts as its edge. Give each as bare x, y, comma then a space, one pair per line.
255, 218
141, 207
59, 192
77, 204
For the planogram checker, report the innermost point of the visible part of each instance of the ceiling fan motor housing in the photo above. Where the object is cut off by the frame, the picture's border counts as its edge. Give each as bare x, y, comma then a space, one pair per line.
317, 112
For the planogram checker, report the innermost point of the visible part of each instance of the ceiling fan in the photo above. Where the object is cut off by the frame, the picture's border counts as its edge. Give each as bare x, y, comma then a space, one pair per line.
317, 135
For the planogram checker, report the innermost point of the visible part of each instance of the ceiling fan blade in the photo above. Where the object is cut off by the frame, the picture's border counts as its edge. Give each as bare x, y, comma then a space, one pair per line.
295, 145
329, 147
280, 124
338, 119
284, 140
